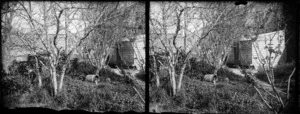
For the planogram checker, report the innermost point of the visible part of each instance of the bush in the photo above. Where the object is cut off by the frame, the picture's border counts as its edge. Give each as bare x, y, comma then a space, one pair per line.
159, 95
197, 69
39, 95
180, 99
86, 68
78, 70
18, 68
15, 85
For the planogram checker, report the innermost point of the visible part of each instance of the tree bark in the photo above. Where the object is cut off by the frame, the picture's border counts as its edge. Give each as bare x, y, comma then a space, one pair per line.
38, 71
155, 72
173, 80
180, 77
54, 81
62, 78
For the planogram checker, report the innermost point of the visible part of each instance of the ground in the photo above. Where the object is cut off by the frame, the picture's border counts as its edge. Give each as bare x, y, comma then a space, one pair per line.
196, 96
116, 95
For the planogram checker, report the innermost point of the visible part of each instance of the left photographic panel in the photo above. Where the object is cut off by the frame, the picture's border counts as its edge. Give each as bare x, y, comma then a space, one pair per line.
86, 56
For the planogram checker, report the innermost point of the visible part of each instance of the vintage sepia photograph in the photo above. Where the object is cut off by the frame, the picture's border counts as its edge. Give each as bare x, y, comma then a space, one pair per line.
87, 56
222, 57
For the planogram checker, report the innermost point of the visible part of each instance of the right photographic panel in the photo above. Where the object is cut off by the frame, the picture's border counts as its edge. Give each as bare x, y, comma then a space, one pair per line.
222, 57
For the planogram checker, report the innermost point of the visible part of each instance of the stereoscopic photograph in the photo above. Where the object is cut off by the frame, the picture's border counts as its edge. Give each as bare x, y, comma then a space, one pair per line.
222, 57
86, 56
150, 57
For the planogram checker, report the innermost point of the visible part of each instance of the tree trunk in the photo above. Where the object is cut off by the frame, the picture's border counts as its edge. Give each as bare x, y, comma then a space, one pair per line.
216, 71
155, 72
157, 79
62, 78
180, 77
173, 80
38, 71
54, 81
98, 70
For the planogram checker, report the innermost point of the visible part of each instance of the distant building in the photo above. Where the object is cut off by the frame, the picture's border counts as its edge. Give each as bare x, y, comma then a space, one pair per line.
247, 52
129, 53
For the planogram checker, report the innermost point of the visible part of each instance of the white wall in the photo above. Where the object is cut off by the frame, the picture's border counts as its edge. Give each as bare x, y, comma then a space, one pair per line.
276, 39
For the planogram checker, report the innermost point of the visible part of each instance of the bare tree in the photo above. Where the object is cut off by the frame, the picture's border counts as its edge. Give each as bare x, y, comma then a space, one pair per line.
168, 32
267, 18
228, 30
106, 36
46, 31
7, 14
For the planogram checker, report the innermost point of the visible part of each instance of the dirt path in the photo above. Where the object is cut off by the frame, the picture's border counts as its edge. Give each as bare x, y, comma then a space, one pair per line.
236, 71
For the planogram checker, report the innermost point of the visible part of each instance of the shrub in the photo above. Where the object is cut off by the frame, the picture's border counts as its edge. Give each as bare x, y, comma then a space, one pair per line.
15, 84
78, 70
180, 98
197, 69
39, 95
86, 68
18, 68
159, 95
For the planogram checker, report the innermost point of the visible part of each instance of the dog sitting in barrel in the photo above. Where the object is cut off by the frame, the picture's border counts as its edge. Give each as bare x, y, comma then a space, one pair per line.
92, 78
210, 78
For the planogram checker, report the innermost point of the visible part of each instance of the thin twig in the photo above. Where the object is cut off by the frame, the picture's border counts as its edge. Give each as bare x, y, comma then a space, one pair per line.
288, 88
266, 102
139, 94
